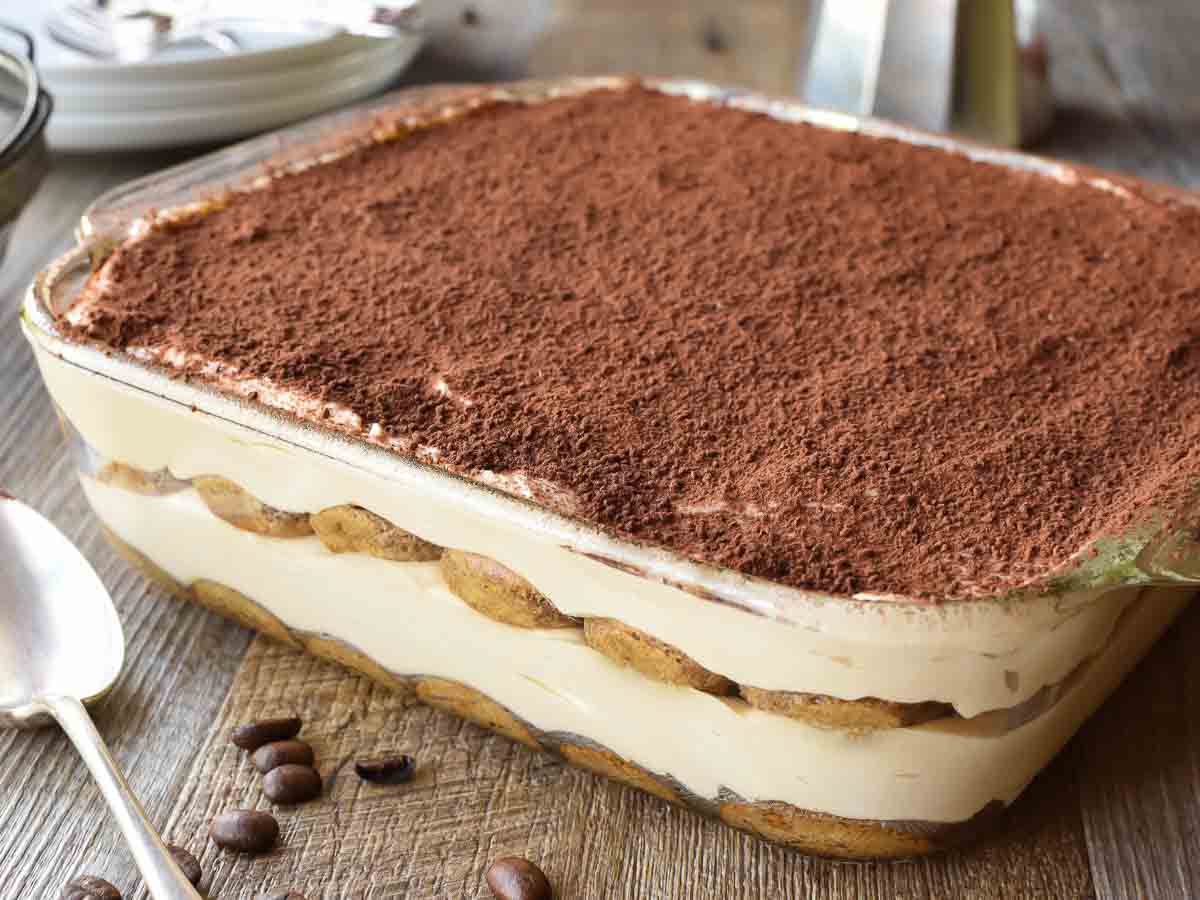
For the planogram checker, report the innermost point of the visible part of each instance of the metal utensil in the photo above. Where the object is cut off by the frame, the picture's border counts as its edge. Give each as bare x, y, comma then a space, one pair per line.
976, 67
61, 646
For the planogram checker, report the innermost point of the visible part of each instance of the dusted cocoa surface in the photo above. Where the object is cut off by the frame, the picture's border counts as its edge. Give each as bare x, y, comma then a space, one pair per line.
832, 361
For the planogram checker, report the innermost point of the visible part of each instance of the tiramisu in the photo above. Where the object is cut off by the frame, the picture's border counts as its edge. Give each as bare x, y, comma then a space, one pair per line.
822, 480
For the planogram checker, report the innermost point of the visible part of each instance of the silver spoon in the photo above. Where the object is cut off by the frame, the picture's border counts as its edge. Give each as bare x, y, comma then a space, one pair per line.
61, 646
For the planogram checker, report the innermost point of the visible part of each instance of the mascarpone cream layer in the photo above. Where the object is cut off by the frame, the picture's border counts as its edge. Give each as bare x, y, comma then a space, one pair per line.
404, 617
978, 656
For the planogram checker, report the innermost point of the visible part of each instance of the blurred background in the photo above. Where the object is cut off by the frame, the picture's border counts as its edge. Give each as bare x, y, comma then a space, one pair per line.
137, 74
137, 85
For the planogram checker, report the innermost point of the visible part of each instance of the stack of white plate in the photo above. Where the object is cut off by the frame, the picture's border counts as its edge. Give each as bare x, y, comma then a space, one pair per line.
193, 93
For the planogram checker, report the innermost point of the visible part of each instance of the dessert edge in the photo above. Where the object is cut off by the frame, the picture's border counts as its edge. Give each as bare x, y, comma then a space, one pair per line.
943, 772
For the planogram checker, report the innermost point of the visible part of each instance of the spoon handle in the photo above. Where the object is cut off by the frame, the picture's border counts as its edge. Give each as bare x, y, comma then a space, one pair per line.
162, 875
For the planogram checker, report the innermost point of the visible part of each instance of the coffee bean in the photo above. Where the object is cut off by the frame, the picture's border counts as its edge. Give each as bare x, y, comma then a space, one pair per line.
247, 830
187, 863
387, 770
254, 735
89, 887
712, 38
291, 783
277, 753
513, 878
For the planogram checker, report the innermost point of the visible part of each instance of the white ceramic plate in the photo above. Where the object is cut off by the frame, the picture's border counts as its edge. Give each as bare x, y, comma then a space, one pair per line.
148, 129
172, 67
92, 99
267, 49
294, 48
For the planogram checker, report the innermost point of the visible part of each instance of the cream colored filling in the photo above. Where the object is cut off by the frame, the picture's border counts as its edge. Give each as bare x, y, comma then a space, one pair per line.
404, 617
977, 656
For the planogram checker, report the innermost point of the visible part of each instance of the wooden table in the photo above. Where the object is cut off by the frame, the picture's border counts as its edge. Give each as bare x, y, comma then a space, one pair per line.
1117, 816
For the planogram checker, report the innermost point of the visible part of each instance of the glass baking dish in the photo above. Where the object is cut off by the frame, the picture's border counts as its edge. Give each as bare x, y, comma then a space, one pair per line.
860, 727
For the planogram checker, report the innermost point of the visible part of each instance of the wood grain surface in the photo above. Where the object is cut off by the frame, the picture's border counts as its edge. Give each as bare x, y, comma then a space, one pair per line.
478, 796
1117, 816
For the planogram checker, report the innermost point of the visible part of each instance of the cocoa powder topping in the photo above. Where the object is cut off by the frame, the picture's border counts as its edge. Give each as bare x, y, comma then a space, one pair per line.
837, 362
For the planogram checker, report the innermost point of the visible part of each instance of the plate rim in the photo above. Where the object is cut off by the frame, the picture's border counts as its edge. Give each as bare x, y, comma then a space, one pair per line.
261, 84
57, 76
204, 123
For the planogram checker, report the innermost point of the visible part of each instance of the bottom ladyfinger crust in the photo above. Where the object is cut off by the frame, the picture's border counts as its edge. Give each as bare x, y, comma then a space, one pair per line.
229, 603
821, 835
352, 658
468, 703
810, 832
605, 762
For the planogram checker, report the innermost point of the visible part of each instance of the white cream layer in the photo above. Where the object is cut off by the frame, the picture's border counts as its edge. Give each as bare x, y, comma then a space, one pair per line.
404, 617
977, 656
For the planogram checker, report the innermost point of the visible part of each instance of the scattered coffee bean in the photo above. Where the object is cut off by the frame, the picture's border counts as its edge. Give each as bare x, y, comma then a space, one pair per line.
247, 830
513, 878
89, 887
254, 735
712, 38
277, 753
291, 783
187, 863
387, 770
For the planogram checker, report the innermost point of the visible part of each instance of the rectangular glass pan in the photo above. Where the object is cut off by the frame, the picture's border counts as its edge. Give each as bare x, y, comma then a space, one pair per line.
969, 698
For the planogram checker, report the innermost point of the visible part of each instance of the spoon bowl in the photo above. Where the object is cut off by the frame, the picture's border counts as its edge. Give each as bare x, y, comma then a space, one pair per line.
61, 646
59, 632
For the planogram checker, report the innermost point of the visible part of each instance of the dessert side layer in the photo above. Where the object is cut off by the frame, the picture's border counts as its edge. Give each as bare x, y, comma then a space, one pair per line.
394, 616
946, 771
975, 656
832, 361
